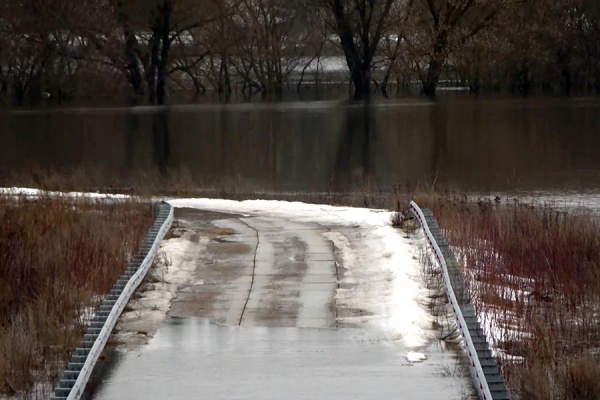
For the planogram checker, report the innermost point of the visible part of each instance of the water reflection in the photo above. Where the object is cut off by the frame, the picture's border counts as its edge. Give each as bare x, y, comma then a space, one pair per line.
438, 119
132, 132
355, 146
161, 147
496, 145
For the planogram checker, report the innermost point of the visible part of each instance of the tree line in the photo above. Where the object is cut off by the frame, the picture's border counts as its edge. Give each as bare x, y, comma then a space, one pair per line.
146, 49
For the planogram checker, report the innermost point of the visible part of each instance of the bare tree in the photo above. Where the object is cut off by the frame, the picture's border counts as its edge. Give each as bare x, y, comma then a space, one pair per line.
360, 25
162, 38
44, 48
437, 28
223, 36
271, 40
551, 46
572, 33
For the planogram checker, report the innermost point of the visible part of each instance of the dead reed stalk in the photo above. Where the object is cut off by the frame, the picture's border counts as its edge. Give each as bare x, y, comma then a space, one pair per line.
533, 272
58, 257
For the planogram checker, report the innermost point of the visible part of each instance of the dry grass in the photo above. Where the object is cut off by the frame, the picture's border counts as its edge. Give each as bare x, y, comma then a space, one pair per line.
535, 272
182, 183
57, 257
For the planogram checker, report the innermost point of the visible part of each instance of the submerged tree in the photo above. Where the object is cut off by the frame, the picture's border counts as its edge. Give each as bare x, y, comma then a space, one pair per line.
271, 40
43, 47
164, 40
359, 24
436, 29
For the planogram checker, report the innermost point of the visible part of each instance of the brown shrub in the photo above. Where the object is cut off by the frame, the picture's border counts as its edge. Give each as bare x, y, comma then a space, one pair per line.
58, 257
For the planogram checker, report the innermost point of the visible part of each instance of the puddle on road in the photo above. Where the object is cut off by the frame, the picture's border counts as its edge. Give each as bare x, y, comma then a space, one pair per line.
191, 358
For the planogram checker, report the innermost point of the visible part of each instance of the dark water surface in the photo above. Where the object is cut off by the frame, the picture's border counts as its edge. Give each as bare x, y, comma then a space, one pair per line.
475, 145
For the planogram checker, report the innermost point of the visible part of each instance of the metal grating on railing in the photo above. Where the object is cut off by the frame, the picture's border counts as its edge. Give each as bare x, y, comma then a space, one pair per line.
78, 371
487, 379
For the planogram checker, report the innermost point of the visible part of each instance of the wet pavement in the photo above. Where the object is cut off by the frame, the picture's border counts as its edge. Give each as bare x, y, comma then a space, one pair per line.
257, 318
263, 272
193, 358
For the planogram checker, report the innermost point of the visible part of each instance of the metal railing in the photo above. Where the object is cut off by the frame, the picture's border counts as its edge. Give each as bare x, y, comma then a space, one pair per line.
488, 382
78, 371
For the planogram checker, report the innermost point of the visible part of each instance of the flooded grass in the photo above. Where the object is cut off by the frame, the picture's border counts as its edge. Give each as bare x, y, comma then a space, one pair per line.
58, 258
182, 183
534, 273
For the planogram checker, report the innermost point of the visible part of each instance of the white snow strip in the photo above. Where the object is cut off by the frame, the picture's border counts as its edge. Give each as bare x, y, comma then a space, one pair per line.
29, 192
559, 199
323, 214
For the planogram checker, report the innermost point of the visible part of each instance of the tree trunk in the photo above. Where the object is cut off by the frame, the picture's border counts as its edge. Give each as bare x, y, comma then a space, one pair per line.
224, 80
360, 72
151, 70
433, 77
436, 64
18, 92
525, 82
161, 93
566, 73
359, 58
133, 67
384, 83
361, 78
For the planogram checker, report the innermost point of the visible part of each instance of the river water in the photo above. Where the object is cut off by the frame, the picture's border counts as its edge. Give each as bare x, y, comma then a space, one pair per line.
476, 145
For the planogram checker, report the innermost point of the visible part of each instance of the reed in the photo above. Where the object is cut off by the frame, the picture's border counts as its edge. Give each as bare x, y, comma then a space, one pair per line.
58, 258
533, 272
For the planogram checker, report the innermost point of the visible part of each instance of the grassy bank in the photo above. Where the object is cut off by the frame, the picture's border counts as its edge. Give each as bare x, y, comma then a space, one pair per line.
535, 273
58, 257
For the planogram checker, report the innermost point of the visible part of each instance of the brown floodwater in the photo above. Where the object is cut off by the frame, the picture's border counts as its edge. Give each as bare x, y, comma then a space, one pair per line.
475, 145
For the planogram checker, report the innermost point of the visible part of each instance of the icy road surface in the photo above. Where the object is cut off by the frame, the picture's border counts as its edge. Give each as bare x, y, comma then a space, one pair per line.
272, 300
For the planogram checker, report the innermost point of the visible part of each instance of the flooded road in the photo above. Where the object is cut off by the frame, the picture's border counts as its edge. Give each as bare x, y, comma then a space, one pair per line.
193, 358
269, 306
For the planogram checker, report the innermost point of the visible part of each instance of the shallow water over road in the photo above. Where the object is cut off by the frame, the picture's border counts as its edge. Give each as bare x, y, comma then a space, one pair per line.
192, 358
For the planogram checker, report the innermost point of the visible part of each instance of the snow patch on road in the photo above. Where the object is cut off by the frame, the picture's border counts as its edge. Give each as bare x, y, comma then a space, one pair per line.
415, 357
173, 268
180, 258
